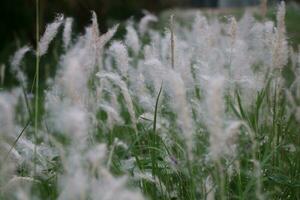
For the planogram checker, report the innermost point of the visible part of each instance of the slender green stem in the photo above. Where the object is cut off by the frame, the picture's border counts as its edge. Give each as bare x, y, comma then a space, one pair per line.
37, 69
156, 109
221, 180
16, 140
191, 174
27, 102
153, 138
111, 153
239, 184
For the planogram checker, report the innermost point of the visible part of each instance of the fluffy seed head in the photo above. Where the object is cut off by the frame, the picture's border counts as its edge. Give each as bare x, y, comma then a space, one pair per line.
6, 115
132, 39
15, 64
18, 57
280, 45
119, 52
67, 33
49, 34
215, 105
145, 21
233, 30
125, 92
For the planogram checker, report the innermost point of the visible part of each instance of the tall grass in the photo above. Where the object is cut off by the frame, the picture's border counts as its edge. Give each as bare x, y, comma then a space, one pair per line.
37, 78
208, 109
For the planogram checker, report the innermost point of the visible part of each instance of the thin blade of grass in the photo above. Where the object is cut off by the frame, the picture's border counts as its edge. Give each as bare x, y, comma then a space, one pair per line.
17, 139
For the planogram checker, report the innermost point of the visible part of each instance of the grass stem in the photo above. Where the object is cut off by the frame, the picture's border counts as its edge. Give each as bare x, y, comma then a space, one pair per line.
37, 69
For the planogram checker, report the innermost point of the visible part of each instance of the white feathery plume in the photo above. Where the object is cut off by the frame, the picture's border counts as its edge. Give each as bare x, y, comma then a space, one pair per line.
18, 187
200, 37
111, 188
95, 25
120, 143
75, 123
21, 194
268, 41
15, 64
18, 57
125, 92
221, 138
132, 39
93, 34
144, 23
113, 115
49, 34
120, 54
67, 32
150, 178
96, 155
280, 17
177, 91
245, 26
100, 42
74, 80
153, 73
107, 36
231, 132
139, 89
74, 184
68, 117
7, 136
280, 45
215, 105
258, 52
233, 30
6, 116
80, 182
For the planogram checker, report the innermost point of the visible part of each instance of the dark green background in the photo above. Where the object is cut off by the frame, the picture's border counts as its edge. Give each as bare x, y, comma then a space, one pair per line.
17, 17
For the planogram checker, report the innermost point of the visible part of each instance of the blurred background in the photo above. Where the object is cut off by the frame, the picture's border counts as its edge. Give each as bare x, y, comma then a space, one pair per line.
17, 17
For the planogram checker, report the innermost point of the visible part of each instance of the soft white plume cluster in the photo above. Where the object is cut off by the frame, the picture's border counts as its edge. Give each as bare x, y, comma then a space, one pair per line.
132, 39
67, 34
49, 34
280, 45
120, 54
7, 116
16, 62
216, 112
144, 23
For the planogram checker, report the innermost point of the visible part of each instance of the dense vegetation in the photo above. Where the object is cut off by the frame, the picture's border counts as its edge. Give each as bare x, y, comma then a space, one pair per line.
208, 109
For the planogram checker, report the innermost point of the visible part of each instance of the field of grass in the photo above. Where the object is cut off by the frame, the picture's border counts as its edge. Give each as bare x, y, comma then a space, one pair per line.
191, 106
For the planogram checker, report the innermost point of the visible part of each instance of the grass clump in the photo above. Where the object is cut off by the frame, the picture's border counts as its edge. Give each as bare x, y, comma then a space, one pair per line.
207, 111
